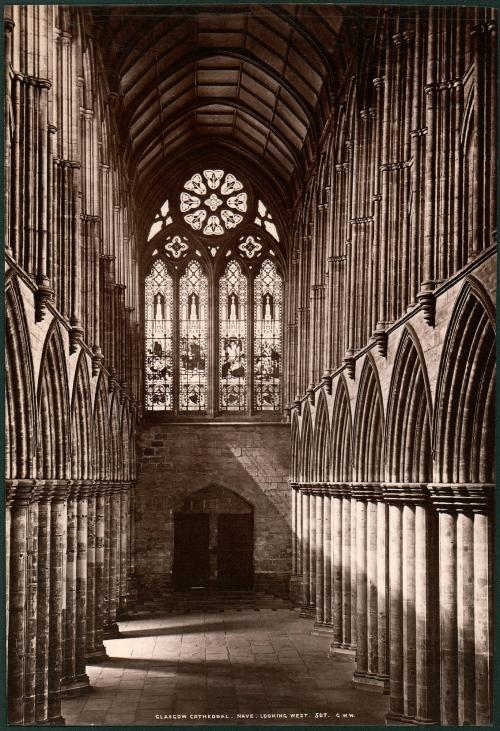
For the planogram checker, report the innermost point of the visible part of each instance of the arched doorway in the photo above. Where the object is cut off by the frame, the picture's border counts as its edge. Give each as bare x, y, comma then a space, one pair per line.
213, 541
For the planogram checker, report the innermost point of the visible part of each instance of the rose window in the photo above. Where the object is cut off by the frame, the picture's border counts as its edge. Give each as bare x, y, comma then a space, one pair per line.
213, 202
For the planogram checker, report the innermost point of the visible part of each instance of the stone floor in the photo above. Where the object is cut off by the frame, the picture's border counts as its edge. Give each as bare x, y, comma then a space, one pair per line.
248, 666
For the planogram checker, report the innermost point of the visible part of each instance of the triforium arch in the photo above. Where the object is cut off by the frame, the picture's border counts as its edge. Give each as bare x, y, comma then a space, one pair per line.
369, 426
342, 452
321, 459
306, 446
462, 494
295, 449
20, 429
116, 440
82, 434
101, 429
409, 415
464, 421
54, 433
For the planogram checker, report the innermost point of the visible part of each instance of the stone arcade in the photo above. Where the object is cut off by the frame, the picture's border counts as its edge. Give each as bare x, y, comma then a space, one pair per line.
250, 334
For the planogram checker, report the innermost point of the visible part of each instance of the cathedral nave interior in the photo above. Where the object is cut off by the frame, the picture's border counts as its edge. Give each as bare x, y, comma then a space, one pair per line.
250, 284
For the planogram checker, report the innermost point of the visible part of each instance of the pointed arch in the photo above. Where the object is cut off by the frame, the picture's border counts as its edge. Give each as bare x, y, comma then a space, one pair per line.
306, 445
82, 451
409, 415
126, 440
295, 448
20, 431
101, 430
321, 464
54, 434
341, 434
464, 416
368, 426
116, 444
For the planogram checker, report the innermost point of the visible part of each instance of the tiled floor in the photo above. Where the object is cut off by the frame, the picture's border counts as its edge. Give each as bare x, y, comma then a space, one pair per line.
229, 664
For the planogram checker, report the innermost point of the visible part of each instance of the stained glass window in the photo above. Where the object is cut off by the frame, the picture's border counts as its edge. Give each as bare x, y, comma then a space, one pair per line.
232, 338
162, 220
159, 338
203, 196
193, 318
268, 297
213, 246
265, 220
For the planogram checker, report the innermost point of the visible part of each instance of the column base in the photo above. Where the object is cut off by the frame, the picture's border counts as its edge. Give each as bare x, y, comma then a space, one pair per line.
76, 686
396, 719
308, 611
111, 631
124, 607
342, 653
57, 721
322, 629
296, 589
96, 656
371, 682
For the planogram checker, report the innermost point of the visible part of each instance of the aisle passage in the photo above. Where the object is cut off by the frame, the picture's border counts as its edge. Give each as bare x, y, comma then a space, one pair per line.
231, 663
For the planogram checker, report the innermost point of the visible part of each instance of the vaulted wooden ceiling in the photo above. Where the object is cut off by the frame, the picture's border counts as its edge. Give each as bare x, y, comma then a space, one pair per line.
254, 80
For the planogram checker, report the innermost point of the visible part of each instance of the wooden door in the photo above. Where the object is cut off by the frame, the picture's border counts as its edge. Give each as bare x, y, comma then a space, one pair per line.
191, 541
235, 551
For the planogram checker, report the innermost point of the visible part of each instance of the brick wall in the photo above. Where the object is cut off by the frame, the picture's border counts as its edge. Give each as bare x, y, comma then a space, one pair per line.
176, 460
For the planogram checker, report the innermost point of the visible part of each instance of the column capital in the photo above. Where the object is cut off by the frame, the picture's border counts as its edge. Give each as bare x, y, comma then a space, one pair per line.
405, 492
366, 490
18, 493
462, 497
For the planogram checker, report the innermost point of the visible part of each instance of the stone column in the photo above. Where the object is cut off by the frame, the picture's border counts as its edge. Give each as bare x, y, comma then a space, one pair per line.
76, 680
336, 572
58, 520
319, 552
382, 580
409, 626
106, 488
131, 545
312, 554
361, 586
465, 602
31, 608
17, 502
81, 586
111, 627
448, 616
97, 652
43, 604
305, 551
345, 570
294, 528
93, 652
396, 650
483, 610
296, 588
427, 615
327, 560
412, 620
69, 671
124, 602
372, 590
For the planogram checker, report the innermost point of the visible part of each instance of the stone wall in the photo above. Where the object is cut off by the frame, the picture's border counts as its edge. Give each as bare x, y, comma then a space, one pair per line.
176, 460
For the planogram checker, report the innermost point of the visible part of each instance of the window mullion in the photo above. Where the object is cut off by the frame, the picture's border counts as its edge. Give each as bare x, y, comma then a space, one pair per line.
250, 347
175, 348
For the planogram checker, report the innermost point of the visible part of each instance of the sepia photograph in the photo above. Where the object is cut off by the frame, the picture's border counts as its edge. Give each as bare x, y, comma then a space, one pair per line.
250, 280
